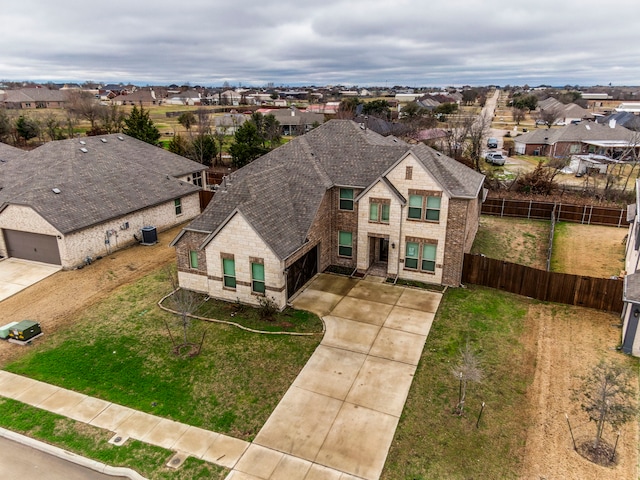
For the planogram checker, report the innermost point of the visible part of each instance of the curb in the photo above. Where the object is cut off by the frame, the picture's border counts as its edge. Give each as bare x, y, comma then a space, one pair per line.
70, 457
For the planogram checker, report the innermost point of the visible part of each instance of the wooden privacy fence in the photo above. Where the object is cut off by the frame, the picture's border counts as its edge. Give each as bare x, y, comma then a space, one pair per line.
600, 293
586, 214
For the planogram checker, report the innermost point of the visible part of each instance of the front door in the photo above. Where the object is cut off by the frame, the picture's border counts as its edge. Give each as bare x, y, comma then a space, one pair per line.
384, 250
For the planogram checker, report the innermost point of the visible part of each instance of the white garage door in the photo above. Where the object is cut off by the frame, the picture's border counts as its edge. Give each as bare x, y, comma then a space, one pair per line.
32, 246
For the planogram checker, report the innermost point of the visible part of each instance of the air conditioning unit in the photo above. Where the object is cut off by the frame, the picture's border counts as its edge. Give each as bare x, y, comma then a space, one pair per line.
149, 236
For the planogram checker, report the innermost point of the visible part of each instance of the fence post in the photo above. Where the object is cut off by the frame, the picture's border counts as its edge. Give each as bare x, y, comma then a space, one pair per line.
529, 212
584, 212
621, 214
590, 213
502, 208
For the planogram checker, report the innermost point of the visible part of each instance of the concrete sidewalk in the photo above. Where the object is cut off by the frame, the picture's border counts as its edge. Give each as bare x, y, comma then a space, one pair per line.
123, 421
338, 419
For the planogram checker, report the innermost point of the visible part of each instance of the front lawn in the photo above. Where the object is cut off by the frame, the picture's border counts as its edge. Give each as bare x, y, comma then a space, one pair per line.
433, 442
119, 350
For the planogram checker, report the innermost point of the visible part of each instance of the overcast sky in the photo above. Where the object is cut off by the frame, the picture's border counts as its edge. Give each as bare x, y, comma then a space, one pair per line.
301, 42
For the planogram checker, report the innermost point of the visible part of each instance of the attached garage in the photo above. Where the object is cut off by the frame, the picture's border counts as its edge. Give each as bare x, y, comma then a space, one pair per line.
32, 246
301, 271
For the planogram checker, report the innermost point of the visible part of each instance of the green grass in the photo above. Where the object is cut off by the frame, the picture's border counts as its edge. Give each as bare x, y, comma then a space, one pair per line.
92, 442
560, 236
433, 443
120, 351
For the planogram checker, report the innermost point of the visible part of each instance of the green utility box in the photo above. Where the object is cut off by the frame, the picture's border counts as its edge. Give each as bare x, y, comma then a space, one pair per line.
4, 330
24, 330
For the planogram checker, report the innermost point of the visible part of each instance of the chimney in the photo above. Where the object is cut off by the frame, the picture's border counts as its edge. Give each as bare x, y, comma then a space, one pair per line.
612, 123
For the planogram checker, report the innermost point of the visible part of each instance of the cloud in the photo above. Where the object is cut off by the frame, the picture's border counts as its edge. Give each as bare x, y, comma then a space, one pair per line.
407, 42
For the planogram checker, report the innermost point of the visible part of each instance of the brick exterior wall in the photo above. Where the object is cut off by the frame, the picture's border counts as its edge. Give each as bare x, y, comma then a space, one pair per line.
455, 243
191, 241
320, 233
345, 221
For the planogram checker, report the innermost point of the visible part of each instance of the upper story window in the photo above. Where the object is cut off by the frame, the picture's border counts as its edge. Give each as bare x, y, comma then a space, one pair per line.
424, 206
196, 178
379, 210
346, 199
178, 206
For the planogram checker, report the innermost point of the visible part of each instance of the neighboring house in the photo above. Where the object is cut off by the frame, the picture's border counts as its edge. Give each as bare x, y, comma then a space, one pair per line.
72, 200
27, 98
340, 195
188, 97
631, 107
229, 123
329, 108
296, 122
145, 98
564, 113
631, 293
624, 119
611, 140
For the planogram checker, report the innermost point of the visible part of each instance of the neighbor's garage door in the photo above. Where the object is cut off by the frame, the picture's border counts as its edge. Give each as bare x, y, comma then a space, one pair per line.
32, 246
302, 271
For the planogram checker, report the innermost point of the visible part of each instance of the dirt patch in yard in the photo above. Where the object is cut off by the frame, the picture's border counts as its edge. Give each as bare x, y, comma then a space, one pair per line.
591, 250
55, 301
513, 240
569, 341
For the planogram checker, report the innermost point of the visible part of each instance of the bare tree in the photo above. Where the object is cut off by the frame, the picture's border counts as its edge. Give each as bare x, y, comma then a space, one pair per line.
607, 395
549, 117
184, 303
84, 105
518, 114
478, 131
467, 370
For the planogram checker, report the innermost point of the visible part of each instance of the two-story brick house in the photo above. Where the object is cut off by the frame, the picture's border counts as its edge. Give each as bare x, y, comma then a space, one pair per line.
339, 195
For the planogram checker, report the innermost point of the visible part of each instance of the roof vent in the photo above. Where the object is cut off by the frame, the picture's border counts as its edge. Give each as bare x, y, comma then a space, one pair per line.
103, 140
587, 127
56, 190
121, 138
82, 142
84, 150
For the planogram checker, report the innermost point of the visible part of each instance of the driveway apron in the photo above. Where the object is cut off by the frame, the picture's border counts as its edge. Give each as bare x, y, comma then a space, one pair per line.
338, 419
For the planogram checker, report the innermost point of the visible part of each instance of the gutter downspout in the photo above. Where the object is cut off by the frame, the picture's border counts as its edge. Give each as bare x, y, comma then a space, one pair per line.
399, 242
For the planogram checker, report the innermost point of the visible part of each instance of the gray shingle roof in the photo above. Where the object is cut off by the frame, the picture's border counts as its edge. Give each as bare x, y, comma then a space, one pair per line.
588, 131
7, 152
111, 179
280, 193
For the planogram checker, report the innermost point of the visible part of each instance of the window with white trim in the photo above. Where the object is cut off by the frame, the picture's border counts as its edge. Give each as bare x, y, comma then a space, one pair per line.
196, 179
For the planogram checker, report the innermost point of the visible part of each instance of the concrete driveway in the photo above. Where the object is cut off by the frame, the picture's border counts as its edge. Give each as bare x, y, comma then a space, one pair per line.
17, 274
338, 419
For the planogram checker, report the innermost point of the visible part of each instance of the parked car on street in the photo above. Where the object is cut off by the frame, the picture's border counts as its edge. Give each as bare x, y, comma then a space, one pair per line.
495, 158
492, 143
